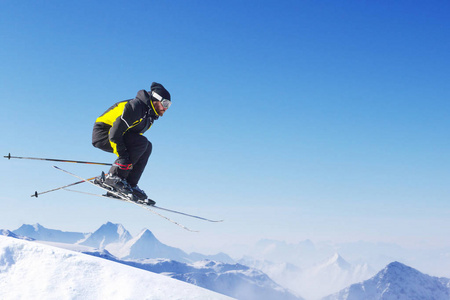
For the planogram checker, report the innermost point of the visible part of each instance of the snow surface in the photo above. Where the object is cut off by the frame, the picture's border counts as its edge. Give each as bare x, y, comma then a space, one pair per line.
113, 242
235, 280
313, 280
30, 270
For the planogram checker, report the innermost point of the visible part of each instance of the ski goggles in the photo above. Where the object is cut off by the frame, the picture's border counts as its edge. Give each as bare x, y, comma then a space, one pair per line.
164, 102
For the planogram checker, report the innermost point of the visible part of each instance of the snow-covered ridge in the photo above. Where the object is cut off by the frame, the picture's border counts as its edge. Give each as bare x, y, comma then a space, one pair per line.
397, 281
107, 234
332, 276
9, 233
118, 241
144, 251
30, 270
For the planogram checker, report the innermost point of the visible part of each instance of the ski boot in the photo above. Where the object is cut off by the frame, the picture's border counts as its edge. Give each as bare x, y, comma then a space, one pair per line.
141, 196
115, 184
139, 193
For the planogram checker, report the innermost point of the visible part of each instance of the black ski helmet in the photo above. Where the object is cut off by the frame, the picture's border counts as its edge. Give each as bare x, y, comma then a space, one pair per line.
159, 89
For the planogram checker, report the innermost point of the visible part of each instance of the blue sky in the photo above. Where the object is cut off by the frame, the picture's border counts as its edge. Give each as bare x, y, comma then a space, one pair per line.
325, 120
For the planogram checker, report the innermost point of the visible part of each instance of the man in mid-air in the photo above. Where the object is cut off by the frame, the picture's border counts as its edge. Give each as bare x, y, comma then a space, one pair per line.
119, 130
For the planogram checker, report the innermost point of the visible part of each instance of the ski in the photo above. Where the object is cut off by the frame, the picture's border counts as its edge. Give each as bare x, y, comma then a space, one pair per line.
152, 206
65, 187
123, 198
185, 214
141, 205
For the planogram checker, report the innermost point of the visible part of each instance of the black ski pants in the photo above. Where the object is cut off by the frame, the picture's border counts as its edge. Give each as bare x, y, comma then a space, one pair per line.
139, 149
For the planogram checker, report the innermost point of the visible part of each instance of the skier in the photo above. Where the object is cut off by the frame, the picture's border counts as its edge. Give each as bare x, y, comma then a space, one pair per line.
119, 130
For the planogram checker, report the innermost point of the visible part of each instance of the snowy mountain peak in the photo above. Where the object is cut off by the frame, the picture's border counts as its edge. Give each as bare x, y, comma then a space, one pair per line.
30, 228
394, 271
397, 281
146, 245
107, 233
395, 268
336, 261
109, 226
147, 235
119, 228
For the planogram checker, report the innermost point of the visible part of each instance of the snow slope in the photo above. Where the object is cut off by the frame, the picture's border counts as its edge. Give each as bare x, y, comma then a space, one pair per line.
234, 280
9, 233
112, 242
29, 270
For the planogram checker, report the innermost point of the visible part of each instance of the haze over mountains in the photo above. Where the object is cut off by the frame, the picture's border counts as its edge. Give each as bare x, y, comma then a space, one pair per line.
248, 277
144, 251
397, 281
117, 240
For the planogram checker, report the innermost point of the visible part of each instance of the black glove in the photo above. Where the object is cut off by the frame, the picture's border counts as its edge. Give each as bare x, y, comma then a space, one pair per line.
124, 163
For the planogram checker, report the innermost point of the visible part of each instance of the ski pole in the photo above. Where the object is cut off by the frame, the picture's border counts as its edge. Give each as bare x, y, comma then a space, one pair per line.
36, 194
59, 160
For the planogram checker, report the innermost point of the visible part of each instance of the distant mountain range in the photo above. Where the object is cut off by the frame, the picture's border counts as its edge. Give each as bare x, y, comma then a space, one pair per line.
41, 233
118, 241
249, 279
113, 242
329, 276
397, 281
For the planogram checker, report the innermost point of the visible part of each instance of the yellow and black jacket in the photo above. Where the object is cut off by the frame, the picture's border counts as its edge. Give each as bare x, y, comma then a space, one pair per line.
135, 115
